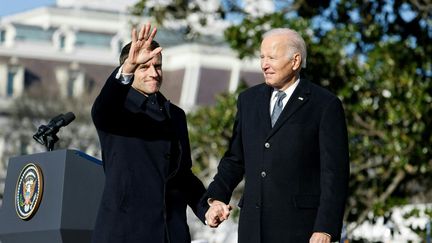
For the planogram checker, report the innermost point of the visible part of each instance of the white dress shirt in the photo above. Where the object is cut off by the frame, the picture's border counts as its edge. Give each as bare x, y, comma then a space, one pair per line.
288, 93
125, 78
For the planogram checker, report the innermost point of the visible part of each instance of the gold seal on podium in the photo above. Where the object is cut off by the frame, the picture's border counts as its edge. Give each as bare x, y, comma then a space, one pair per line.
29, 189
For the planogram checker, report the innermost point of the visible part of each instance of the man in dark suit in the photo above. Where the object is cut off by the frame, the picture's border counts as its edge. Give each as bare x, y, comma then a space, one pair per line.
145, 151
290, 144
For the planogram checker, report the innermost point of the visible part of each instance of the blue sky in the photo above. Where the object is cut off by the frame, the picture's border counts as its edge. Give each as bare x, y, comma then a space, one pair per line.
15, 6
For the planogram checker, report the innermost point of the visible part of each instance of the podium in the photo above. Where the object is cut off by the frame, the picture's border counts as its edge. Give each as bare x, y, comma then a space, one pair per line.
67, 200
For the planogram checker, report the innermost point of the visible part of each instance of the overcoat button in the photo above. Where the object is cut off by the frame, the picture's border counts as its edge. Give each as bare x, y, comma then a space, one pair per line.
267, 145
263, 174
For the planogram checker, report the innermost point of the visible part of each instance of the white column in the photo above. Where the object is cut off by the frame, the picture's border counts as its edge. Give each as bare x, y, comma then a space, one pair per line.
235, 76
3, 79
18, 82
62, 76
79, 84
190, 84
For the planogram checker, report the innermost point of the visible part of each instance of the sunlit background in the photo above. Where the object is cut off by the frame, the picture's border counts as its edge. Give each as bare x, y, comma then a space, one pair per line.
375, 55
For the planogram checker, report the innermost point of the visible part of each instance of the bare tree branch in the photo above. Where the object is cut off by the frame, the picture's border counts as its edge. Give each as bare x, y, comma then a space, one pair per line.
371, 164
382, 198
371, 130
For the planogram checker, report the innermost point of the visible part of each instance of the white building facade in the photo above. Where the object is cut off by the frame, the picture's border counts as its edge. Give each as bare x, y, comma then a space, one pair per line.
75, 45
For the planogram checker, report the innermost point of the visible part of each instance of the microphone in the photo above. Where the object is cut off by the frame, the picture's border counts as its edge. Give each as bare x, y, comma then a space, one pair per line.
53, 127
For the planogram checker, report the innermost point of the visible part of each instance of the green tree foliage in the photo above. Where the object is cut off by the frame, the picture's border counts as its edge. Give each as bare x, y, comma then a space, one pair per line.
190, 17
209, 131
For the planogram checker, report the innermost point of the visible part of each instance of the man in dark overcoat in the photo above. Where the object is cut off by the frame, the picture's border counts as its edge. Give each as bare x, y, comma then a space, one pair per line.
145, 153
289, 143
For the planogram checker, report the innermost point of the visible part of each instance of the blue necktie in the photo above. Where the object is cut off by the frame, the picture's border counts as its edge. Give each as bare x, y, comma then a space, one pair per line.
277, 109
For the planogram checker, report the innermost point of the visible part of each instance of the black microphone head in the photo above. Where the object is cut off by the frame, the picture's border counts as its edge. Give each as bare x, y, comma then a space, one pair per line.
68, 118
55, 119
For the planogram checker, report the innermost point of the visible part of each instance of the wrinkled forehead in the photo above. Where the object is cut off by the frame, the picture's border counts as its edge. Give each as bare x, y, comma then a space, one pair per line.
275, 43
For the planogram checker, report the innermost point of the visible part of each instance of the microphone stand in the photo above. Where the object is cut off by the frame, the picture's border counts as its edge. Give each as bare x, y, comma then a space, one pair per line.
47, 134
47, 139
50, 140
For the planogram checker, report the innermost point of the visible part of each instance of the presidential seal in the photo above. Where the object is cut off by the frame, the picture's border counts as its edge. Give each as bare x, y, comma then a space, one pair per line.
29, 189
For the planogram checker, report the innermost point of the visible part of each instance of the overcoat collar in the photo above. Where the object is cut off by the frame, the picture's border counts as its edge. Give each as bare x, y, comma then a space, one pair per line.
157, 106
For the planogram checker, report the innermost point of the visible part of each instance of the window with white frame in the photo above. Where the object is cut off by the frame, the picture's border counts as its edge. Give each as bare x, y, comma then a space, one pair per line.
63, 39
2, 36
11, 80
71, 82
11, 75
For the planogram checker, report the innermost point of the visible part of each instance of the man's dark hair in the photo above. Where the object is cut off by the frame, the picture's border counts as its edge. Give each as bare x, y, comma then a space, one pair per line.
125, 50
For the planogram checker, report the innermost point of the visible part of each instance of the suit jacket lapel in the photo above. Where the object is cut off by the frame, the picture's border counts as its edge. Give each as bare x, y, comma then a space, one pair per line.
296, 101
264, 106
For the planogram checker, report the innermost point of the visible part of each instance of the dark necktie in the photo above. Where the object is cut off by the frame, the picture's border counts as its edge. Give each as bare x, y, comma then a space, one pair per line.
277, 109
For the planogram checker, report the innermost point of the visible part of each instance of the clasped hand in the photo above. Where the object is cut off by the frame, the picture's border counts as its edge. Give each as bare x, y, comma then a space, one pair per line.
217, 213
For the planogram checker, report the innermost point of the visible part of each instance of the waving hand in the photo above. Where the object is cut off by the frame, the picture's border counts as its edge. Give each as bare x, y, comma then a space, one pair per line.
140, 51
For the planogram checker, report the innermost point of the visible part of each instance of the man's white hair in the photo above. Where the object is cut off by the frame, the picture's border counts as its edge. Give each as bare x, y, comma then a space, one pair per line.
295, 43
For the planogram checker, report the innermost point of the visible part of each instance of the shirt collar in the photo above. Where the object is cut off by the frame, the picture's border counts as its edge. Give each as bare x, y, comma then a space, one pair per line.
288, 91
136, 98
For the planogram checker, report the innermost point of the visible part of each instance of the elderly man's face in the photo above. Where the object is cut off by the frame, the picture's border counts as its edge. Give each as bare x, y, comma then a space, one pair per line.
277, 65
148, 76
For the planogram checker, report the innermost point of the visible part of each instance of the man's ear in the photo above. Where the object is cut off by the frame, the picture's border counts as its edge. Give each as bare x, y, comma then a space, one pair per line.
296, 61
